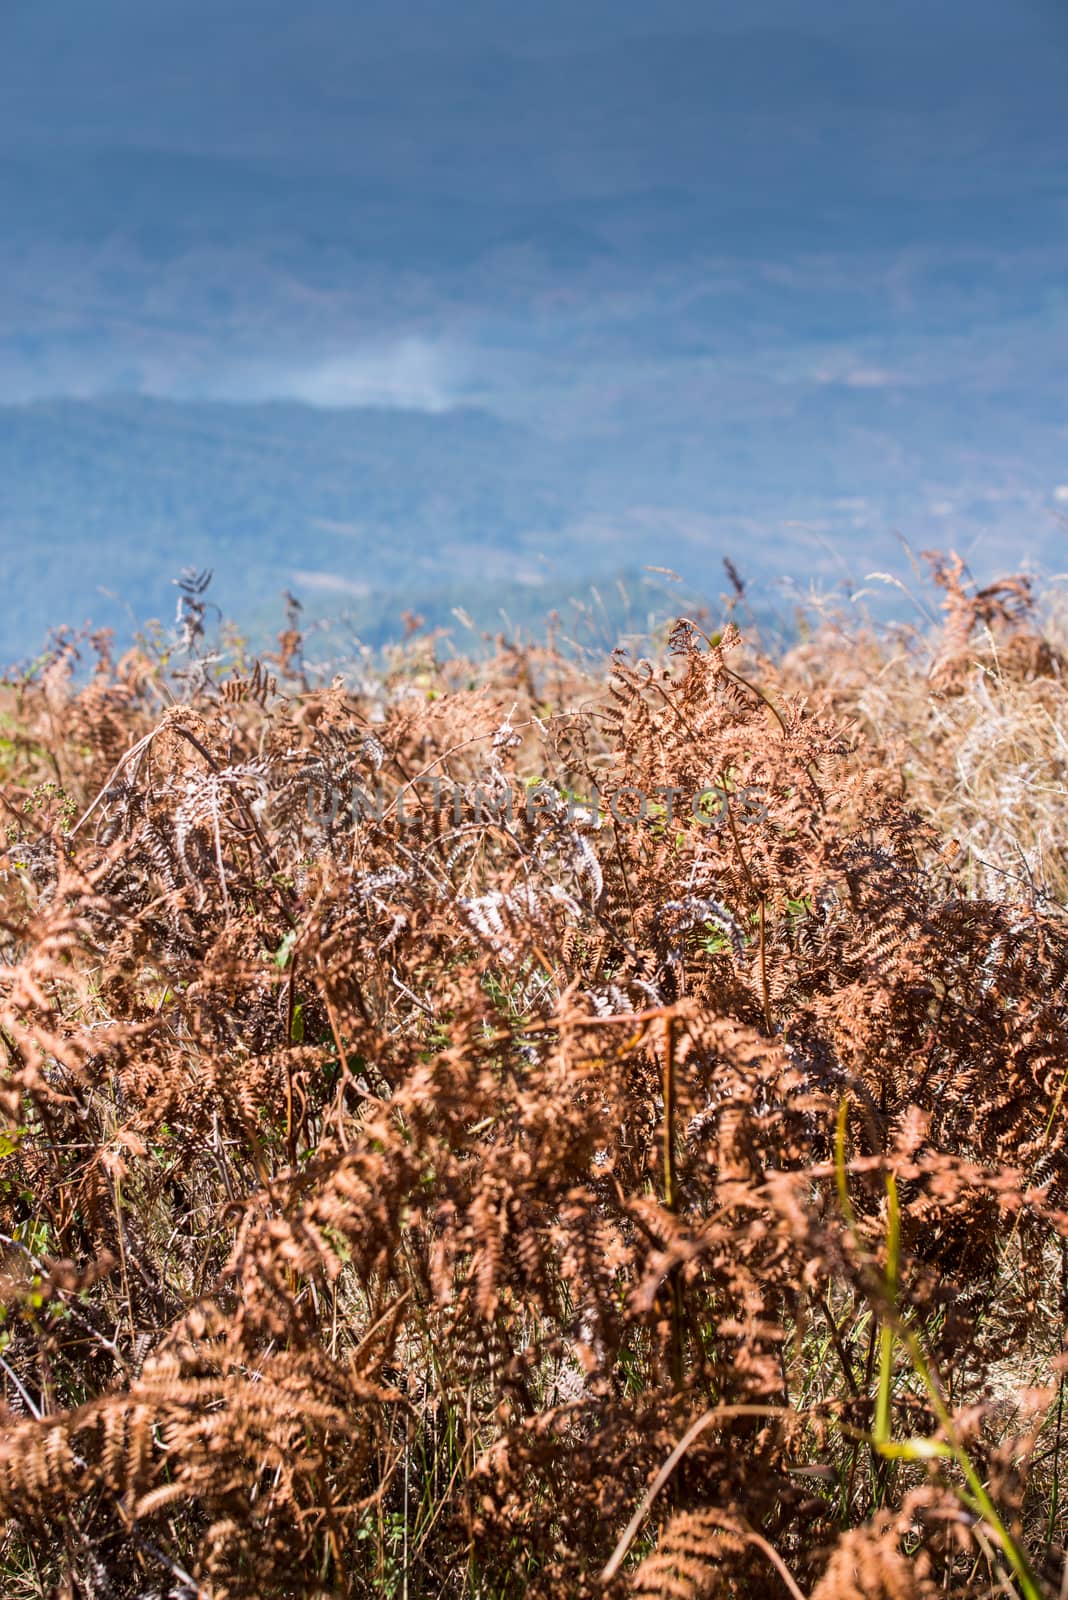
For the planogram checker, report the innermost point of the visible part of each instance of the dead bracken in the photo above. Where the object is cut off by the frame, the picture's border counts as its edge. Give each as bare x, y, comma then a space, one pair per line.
538, 1205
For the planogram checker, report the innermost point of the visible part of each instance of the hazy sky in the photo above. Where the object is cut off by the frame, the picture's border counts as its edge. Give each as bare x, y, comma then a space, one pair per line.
762, 261
422, 201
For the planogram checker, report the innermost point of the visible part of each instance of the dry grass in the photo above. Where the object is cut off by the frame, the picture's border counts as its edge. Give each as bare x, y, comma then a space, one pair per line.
974, 717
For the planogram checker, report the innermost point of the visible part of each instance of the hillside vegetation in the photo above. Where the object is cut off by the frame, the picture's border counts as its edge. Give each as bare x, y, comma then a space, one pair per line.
655, 1183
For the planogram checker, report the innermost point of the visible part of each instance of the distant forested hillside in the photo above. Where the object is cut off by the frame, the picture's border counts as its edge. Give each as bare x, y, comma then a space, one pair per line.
339, 506
372, 510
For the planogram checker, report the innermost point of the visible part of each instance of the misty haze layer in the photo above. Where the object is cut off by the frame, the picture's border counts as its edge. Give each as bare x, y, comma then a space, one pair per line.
641, 284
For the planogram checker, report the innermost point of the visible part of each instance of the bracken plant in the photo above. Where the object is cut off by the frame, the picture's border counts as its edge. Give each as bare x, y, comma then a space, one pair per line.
530, 1199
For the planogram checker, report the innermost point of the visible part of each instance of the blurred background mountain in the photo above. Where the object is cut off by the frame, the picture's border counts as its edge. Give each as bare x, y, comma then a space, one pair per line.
454, 300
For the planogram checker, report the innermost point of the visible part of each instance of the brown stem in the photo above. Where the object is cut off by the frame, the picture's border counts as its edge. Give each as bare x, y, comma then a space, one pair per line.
671, 1202
764, 991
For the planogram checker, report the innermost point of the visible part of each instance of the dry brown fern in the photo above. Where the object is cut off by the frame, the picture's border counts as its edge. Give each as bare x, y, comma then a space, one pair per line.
404, 1189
